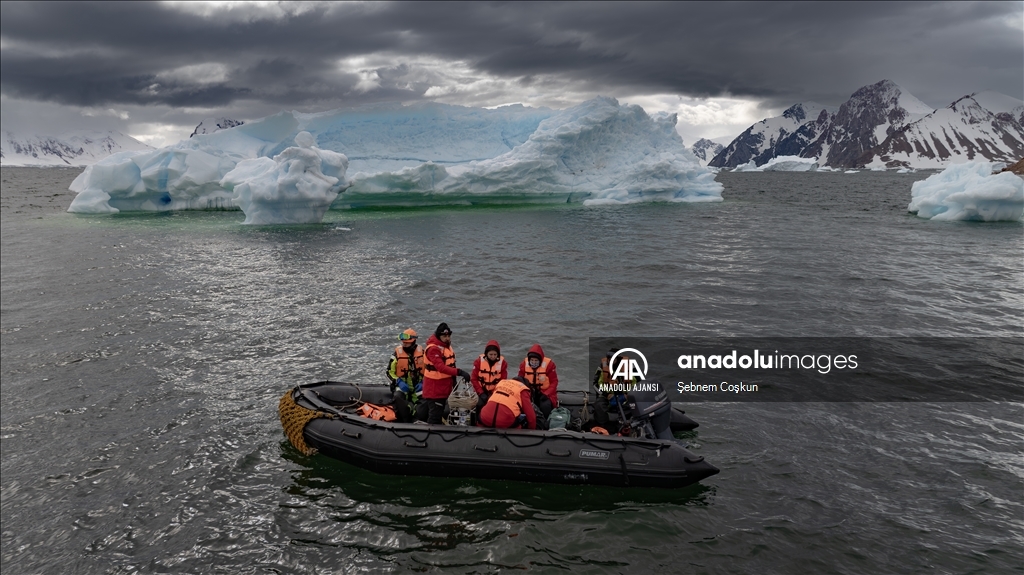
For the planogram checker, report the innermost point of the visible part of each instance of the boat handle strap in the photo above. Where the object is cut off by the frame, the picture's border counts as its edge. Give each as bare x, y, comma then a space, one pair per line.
421, 445
355, 435
492, 449
567, 453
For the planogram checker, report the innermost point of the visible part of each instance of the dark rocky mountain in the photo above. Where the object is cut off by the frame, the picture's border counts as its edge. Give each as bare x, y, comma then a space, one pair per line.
211, 125
865, 120
706, 149
884, 125
784, 135
968, 128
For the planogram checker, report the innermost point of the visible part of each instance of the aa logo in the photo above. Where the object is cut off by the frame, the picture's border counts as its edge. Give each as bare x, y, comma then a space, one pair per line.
628, 368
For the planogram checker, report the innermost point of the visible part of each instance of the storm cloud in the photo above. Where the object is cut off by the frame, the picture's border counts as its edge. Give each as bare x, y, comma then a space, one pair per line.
256, 59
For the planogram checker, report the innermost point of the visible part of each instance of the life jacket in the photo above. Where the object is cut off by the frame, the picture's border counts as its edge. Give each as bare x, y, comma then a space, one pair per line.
378, 412
402, 365
606, 371
449, 359
507, 392
488, 374
538, 377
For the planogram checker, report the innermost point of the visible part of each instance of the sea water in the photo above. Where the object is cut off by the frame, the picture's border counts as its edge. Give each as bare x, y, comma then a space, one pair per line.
143, 356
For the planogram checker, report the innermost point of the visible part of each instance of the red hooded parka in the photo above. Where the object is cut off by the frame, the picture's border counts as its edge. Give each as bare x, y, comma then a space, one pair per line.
544, 377
435, 387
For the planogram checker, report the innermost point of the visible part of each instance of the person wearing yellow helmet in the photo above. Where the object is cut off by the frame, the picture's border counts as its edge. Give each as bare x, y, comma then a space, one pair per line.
405, 372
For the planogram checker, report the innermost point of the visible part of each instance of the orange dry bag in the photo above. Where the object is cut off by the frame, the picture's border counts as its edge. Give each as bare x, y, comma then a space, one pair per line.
378, 412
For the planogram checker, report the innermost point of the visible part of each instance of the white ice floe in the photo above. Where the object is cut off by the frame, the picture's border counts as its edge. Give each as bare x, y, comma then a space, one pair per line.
295, 187
969, 192
781, 164
790, 164
748, 167
427, 154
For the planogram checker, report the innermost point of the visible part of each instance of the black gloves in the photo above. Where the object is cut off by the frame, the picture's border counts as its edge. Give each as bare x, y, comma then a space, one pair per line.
464, 374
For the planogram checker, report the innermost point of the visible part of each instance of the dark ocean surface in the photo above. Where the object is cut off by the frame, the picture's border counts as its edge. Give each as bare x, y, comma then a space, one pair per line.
143, 356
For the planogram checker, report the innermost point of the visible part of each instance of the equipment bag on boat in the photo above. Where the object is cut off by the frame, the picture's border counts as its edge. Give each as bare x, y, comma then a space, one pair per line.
559, 418
378, 412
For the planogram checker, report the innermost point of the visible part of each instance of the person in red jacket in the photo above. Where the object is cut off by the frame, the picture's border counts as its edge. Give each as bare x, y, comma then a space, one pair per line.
538, 371
509, 406
439, 372
488, 370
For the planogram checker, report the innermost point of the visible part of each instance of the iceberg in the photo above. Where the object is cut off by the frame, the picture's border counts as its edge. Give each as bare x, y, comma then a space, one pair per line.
294, 187
781, 164
790, 164
971, 192
428, 154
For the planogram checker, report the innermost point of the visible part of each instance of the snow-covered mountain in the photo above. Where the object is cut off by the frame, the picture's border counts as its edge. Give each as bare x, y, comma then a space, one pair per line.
70, 149
705, 150
864, 121
211, 125
884, 125
774, 136
986, 125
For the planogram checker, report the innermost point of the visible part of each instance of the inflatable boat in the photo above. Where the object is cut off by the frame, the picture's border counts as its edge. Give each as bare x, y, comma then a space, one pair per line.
577, 401
322, 418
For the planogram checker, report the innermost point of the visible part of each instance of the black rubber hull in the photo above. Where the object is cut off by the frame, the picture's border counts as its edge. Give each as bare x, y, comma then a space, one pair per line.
522, 455
574, 401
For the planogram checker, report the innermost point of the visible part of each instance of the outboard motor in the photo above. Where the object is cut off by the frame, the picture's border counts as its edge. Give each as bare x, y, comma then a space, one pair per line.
651, 410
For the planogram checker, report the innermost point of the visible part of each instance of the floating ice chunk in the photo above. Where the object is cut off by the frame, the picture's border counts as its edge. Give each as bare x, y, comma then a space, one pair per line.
969, 192
295, 187
183, 176
790, 164
781, 164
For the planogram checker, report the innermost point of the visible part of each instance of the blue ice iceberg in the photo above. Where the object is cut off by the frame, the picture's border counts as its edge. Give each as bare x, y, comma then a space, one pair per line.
429, 154
969, 192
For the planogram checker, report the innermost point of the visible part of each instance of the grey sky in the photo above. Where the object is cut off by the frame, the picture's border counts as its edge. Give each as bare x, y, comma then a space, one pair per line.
152, 69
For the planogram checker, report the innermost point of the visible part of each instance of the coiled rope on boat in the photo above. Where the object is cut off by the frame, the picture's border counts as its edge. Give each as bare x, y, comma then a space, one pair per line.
294, 418
463, 397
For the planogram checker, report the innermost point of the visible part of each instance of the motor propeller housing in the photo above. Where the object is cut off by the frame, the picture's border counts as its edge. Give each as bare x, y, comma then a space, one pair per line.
651, 407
